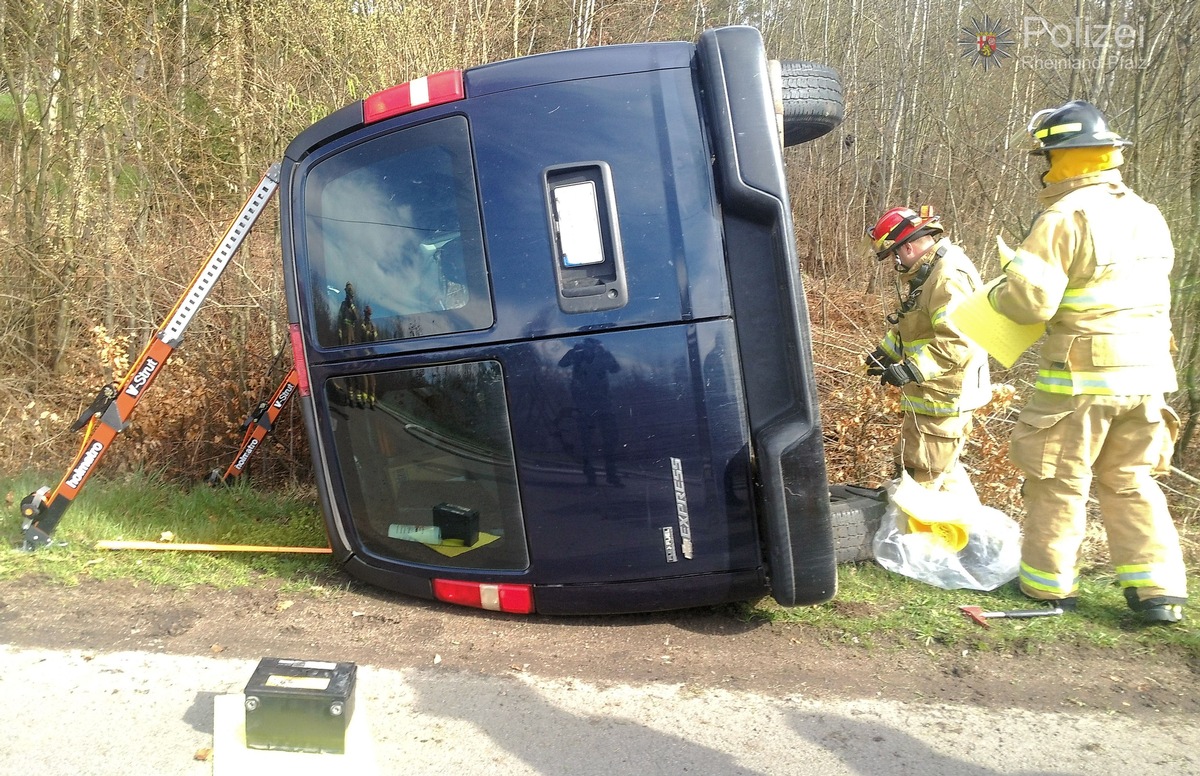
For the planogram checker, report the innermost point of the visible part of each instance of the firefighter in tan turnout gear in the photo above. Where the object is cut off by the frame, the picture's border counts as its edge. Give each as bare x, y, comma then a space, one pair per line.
943, 376
1095, 269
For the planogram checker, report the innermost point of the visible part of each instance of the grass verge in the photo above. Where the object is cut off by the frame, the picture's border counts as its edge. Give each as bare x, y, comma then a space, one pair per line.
143, 508
874, 609
878, 609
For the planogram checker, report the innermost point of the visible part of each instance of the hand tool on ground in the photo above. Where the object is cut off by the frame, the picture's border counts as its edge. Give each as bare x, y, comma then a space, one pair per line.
977, 613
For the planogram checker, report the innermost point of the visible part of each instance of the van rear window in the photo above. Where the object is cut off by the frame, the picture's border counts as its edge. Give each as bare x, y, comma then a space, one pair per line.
427, 460
393, 238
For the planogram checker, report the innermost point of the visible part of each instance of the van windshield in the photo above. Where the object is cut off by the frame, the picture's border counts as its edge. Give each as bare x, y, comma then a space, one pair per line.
393, 238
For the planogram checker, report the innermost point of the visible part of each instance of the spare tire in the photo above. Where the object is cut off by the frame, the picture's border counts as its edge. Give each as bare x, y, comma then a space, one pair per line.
855, 513
812, 101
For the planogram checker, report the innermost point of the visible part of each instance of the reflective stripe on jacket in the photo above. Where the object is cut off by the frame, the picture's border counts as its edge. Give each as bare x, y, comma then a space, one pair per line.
953, 371
1095, 267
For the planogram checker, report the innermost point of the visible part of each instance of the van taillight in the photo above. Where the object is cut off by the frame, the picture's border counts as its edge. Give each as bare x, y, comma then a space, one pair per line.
298, 360
515, 599
436, 89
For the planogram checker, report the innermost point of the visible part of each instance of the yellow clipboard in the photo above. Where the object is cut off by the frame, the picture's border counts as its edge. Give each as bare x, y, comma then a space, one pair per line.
1003, 338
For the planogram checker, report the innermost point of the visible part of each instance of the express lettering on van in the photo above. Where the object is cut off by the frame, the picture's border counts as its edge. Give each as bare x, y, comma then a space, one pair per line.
681, 509
89, 459
142, 377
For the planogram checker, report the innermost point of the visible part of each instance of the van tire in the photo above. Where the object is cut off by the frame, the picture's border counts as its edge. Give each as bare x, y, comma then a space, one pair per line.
855, 513
812, 101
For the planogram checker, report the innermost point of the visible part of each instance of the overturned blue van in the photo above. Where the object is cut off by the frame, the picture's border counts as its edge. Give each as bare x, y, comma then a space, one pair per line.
553, 345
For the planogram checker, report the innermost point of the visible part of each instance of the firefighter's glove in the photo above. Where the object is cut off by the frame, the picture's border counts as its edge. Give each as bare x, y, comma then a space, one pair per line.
995, 289
898, 375
877, 361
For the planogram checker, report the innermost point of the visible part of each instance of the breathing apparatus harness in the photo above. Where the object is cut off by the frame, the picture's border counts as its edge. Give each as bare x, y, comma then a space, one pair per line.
914, 287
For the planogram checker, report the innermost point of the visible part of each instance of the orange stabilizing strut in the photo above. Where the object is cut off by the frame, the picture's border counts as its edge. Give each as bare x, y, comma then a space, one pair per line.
257, 426
109, 415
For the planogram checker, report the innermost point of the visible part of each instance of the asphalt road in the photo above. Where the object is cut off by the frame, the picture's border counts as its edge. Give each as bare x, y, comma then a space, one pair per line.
132, 713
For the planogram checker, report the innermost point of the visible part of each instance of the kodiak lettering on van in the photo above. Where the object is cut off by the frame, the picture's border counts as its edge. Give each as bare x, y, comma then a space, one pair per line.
668, 535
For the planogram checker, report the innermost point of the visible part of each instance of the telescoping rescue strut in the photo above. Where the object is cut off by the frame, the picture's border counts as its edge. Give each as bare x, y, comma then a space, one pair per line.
258, 424
109, 414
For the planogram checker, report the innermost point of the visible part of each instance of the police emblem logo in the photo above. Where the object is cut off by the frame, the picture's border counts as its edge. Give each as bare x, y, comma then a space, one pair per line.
986, 42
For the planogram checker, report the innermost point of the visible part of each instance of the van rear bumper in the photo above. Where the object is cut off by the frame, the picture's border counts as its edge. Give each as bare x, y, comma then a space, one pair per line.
770, 318
650, 595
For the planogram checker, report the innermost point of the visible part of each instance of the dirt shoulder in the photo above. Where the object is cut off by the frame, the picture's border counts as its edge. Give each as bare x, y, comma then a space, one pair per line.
703, 648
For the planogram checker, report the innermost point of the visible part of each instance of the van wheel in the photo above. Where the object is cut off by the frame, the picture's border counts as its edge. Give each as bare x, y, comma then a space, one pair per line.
855, 513
812, 101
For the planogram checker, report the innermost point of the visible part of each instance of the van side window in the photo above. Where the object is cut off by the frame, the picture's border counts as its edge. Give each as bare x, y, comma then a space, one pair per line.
392, 225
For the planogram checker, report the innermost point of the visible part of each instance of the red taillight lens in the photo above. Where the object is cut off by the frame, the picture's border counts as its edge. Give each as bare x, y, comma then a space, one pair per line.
436, 89
514, 599
298, 357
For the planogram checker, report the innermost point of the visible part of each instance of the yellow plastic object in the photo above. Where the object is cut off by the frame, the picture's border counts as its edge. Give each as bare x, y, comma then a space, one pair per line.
452, 548
1003, 338
232, 757
934, 512
953, 535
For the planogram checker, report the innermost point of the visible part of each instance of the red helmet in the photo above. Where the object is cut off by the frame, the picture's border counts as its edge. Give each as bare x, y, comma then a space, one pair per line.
899, 225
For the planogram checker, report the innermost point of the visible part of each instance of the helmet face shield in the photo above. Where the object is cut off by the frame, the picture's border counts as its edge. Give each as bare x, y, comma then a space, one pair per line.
1036, 121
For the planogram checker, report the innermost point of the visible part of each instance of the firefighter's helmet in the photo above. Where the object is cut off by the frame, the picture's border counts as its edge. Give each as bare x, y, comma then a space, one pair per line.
1078, 124
900, 225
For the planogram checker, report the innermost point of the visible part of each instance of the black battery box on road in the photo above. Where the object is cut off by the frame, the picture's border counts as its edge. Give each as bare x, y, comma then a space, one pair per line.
299, 705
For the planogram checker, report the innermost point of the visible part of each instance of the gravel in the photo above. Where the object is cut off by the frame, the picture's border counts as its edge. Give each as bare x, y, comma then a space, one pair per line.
130, 713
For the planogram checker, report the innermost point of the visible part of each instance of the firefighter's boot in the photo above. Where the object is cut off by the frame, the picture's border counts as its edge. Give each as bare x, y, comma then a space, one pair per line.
1165, 609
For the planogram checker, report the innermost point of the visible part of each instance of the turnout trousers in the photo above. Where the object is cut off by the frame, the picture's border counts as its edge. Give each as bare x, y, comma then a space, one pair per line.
1062, 443
930, 447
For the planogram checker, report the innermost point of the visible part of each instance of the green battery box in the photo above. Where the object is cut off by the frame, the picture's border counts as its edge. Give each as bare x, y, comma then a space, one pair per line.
299, 705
